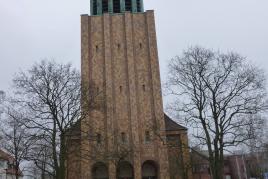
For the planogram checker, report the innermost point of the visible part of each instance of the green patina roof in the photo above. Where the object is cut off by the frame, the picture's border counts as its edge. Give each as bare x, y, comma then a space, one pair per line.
98, 7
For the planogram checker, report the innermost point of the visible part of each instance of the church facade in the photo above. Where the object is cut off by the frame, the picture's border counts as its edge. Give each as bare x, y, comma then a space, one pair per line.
125, 133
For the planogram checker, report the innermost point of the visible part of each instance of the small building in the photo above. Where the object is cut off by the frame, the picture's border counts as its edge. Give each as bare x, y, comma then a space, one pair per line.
236, 166
7, 166
178, 149
201, 168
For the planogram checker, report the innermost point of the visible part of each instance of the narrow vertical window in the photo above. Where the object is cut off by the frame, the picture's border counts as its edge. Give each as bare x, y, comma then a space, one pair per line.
140, 45
104, 6
98, 138
116, 6
143, 87
120, 89
147, 137
123, 137
97, 48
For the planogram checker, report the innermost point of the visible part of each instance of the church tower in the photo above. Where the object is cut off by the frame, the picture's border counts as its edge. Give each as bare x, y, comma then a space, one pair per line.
122, 136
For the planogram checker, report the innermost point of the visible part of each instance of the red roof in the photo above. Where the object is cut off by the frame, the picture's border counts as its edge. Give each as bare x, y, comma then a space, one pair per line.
8, 157
12, 171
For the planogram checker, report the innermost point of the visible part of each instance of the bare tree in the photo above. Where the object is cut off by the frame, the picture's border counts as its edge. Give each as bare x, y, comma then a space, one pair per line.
257, 152
15, 138
216, 94
42, 157
51, 94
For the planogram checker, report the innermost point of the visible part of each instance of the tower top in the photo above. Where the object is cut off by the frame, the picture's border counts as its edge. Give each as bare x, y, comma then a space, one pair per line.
99, 7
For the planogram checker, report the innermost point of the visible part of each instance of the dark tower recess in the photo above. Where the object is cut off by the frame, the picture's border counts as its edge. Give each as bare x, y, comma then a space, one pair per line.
139, 5
128, 5
105, 6
116, 6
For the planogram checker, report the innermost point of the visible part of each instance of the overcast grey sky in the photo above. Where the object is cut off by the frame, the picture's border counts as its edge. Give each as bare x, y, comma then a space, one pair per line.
31, 30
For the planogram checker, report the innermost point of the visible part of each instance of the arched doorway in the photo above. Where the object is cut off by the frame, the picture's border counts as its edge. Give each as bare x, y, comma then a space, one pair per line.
125, 171
149, 170
100, 171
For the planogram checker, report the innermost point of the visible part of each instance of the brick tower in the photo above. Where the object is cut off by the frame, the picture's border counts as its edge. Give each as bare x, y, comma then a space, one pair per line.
122, 135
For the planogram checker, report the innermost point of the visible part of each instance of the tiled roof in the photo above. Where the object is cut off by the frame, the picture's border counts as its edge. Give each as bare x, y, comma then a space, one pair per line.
171, 125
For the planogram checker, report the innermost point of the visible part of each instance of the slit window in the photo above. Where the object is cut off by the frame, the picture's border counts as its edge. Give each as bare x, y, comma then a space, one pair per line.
120, 89
143, 87
98, 138
123, 137
147, 137
118, 46
129, 5
116, 5
140, 45
97, 48
104, 6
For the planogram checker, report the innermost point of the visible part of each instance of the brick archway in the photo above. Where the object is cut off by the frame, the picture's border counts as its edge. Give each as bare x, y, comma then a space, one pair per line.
100, 171
125, 170
149, 170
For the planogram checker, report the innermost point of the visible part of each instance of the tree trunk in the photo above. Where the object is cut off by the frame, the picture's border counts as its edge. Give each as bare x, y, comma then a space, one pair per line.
17, 167
43, 170
62, 157
217, 168
54, 151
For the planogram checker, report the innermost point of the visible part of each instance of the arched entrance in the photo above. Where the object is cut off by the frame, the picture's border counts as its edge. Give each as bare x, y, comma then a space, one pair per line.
149, 170
100, 171
125, 171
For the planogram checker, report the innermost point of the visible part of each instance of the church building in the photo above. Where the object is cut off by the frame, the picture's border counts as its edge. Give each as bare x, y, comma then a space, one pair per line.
125, 133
